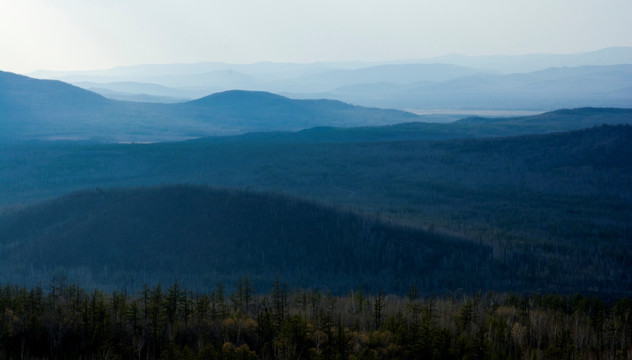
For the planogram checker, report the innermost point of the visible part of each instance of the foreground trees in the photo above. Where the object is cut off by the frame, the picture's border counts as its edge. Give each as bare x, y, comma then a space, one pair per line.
67, 322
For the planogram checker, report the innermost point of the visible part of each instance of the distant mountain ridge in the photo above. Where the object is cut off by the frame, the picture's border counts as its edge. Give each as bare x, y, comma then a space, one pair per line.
140, 92
522, 82
34, 109
500, 63
535, 62
437, 86
597, 86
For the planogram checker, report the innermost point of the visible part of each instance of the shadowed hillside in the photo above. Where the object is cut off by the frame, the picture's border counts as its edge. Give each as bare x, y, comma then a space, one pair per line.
201, 236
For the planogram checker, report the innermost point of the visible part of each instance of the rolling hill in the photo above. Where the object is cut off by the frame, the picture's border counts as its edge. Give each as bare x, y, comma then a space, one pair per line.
45, 109
52, 110
262, 111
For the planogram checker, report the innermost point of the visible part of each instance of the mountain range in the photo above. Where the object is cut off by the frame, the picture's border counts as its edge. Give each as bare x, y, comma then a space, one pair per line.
554, 88
48, 109
33, 109
503, 64
539, 82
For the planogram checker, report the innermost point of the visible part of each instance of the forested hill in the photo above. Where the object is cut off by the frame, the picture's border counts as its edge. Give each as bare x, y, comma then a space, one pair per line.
201, 236
553, 209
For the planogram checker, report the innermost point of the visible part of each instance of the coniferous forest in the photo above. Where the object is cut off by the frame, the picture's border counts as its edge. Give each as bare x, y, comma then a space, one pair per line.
63, 321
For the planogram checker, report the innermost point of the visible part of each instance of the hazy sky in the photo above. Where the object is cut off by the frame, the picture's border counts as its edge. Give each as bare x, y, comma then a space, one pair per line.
94, 34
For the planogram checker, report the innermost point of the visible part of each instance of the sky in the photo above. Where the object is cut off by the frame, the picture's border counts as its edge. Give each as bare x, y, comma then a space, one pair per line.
99, 34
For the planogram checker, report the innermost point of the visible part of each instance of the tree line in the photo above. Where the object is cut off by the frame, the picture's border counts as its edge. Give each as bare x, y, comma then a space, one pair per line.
64, 321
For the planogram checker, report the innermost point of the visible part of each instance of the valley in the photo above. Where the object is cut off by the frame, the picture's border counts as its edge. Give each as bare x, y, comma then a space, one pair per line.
315, 180
243, 199
532, 200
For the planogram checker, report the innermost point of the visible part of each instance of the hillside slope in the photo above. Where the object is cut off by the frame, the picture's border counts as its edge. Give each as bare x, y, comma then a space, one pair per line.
29, 106
202, 236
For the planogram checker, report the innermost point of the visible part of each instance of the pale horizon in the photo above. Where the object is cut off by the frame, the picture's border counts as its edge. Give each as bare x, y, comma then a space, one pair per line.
79, 35
384, 61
